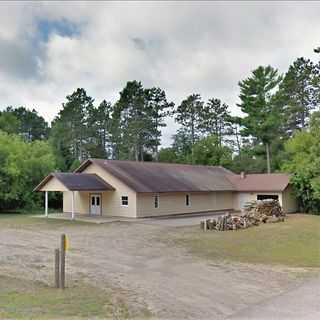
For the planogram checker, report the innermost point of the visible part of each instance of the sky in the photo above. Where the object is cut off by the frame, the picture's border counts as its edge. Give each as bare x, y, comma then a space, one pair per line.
48, 49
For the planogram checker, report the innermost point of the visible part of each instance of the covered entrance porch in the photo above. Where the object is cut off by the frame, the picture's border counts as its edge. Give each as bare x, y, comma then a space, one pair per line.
82, 193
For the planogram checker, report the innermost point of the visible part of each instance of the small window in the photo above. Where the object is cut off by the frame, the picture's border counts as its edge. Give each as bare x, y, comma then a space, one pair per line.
92, 201
267, 197
98, 201
187, 200
124, 201
156, 201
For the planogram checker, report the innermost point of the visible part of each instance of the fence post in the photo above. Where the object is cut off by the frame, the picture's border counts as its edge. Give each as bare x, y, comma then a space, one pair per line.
57, 268
62, 261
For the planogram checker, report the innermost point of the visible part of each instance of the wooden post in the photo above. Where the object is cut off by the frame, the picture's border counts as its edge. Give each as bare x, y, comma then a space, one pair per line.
72, 206
205, 225
57, 268
46, 203
62, 261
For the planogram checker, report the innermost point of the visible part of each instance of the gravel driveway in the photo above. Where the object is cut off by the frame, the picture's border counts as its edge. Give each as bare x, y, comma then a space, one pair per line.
131, 259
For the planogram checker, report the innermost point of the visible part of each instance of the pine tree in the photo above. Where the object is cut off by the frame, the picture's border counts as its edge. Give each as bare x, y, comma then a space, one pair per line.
135, 121
100, 130
188, 115
159, 108
26, 123
215, 119
71, 125
263, 116
300, 94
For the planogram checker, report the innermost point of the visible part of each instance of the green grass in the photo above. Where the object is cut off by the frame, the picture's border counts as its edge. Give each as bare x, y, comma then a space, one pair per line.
295, 243
22, 299
23, 220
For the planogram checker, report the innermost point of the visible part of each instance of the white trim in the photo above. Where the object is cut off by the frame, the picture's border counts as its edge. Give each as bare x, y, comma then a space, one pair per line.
72, 206
46, 204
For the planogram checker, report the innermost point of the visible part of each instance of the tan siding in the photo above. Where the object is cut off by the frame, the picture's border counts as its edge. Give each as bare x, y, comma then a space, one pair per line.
67, 201
111, 200
81, 202
224, 200
290, 203
54, 185
174, 203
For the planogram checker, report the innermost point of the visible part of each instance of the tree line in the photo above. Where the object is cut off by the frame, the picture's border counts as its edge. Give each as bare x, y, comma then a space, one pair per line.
277, 109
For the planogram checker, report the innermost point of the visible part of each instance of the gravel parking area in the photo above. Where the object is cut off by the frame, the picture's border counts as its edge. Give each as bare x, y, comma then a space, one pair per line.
133, 261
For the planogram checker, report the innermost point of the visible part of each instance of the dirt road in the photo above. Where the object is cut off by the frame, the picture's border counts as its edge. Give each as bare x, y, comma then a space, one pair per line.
130, 259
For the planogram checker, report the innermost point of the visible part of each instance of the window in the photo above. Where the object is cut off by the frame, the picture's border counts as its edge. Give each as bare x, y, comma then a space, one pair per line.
124, 201
92, 201
187, 200
156, 201
267, 196
98, 201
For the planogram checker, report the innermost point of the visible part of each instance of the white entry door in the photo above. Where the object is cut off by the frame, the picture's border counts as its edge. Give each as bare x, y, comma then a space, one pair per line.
95, 204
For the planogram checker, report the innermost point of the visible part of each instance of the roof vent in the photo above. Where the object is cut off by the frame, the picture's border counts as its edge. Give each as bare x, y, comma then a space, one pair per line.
243, 175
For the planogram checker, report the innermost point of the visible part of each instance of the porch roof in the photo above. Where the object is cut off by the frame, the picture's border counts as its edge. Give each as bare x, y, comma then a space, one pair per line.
75, 182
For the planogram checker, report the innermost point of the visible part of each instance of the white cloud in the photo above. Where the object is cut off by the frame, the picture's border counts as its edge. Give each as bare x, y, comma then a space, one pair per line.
183, 47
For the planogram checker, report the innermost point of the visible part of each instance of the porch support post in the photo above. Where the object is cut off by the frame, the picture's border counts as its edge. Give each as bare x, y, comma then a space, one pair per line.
46, 204
72, 206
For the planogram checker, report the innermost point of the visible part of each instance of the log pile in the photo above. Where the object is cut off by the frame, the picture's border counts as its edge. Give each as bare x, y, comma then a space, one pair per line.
255, 212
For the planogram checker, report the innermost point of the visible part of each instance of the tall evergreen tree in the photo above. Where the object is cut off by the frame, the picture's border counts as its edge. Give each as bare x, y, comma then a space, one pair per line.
159, 108
70, 127
299, 93
135, 120
188, 115
99, 130
215, 119
263, 116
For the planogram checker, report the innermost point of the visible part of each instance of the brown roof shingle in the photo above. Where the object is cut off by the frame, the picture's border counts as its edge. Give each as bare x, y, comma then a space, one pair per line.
78, 182
164, 177
260, 182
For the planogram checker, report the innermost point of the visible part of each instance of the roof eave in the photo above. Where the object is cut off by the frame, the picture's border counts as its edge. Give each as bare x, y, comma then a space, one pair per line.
243, 190
83, 165
43, 182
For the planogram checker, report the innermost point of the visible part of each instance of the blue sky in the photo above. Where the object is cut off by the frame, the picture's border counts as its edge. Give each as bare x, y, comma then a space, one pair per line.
48, 49
62, 27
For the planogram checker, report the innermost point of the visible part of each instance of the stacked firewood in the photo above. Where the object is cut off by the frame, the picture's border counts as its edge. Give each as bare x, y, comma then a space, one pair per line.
255, 212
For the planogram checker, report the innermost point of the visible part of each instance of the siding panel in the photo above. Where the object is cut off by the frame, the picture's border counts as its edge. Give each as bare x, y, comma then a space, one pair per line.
290, 203
174, 203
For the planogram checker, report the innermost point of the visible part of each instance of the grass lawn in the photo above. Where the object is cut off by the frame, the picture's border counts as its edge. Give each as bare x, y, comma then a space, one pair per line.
23, 220
22, 299
295, 242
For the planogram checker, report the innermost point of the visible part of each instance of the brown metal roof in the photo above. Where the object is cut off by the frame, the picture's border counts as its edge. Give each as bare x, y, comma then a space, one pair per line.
165, 177
260, 182
78, 182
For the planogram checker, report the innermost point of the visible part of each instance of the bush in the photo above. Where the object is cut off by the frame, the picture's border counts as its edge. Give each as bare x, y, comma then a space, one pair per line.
22, 166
